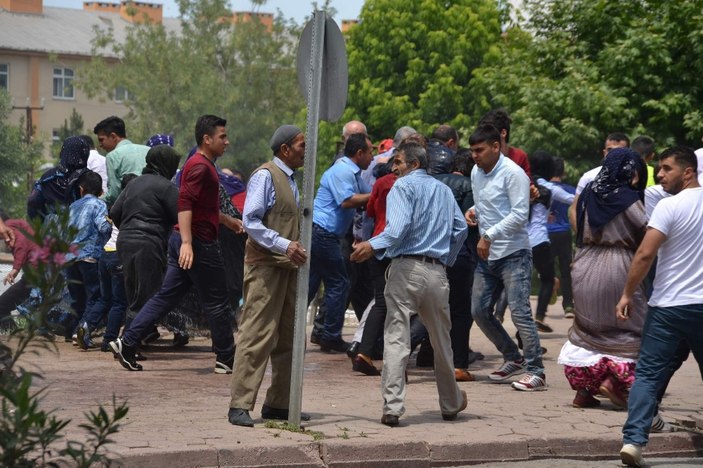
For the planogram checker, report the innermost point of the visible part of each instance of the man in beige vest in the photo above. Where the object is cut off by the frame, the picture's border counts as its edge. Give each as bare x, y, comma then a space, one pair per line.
272, 256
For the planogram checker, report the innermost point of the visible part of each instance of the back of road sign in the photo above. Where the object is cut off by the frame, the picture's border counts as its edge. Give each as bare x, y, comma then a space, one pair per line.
335, 78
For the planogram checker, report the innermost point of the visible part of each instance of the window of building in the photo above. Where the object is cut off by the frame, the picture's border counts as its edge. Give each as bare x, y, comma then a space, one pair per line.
55, 135
4, 76
121, 94
63, 83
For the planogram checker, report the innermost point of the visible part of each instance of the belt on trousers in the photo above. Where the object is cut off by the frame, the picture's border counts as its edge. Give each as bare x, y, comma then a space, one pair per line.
423, 258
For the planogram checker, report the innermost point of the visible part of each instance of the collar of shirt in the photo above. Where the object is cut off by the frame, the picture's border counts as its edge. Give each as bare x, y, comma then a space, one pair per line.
284, 167
496, 167
123, 142
350, 163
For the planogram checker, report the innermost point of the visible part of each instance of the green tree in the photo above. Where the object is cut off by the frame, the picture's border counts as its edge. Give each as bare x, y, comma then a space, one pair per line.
411, 63
19, 155
243, 72
589, 67
71, 126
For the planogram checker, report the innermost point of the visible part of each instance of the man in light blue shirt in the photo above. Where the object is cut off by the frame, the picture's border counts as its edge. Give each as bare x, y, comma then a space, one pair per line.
424, 233
341, 192
502, 205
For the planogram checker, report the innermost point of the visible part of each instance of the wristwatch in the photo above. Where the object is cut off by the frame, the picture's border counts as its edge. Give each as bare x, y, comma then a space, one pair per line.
486, 238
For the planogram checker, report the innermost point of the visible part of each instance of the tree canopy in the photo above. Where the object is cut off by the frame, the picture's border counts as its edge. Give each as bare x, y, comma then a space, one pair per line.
584, 68
243, 72
18, 159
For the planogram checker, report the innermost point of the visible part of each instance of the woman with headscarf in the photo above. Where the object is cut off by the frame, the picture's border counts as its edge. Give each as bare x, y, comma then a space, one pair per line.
57, 186
600, 354
145, 213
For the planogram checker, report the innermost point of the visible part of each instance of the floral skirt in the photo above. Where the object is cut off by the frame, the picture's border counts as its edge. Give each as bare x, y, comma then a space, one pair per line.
590, 378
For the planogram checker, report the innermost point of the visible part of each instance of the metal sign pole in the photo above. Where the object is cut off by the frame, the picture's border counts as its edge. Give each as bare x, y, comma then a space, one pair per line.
301, 306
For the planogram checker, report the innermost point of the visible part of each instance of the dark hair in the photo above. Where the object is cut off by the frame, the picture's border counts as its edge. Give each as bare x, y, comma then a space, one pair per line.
126, 179
356, 142
618, 136
239, 174
683, 155
91, 182
206, 125
414, 152
541, 165
485, 133
558, 167
444, 133
112, 124
88, 140
500, 119
463, 162
644, 145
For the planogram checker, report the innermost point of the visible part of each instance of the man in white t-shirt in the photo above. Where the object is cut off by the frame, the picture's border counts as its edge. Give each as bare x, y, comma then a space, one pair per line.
675, 313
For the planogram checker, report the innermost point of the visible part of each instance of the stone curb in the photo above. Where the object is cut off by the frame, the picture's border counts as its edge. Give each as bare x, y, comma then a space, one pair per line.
385, 454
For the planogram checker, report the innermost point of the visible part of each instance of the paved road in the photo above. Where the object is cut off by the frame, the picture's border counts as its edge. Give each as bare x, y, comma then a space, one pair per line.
178, 410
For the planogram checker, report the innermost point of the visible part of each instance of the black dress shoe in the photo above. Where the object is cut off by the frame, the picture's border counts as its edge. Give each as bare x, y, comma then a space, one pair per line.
390, 420
268, 412
339, 346
360, 364
315, 339
240, 417
353, 349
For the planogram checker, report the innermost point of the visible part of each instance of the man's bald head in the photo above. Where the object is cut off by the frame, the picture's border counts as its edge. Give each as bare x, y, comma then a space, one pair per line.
352, 127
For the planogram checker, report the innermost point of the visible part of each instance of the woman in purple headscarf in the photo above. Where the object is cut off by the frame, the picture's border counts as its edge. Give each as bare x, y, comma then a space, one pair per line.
600, 355
58, 185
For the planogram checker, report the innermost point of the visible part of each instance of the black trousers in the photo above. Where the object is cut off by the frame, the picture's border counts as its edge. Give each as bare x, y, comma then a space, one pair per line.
11, 298
542, 260
461, 281
562, 251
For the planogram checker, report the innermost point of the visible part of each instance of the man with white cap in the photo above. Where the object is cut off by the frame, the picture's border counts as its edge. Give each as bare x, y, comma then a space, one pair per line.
271, 259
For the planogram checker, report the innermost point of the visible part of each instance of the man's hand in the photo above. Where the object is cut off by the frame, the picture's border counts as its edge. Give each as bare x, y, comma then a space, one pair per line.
470, 217
10, 277
622, 309
534, 193
362, 252
296, 253
185, 257
7, 234
234, 224
483, 248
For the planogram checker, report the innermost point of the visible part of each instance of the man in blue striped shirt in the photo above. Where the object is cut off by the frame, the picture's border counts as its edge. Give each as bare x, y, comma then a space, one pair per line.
424, 232
502, 205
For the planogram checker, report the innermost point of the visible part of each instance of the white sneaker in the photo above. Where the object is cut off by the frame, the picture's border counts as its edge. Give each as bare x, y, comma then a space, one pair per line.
631, 455
531, 383
659, 425
508, 369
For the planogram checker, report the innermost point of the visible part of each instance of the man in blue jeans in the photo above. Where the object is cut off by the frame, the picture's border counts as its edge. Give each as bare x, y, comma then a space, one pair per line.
341, 192
194, 255
676, 305
502, 204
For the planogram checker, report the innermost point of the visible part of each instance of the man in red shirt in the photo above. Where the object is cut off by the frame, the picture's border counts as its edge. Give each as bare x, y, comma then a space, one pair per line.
22, 247
194, 256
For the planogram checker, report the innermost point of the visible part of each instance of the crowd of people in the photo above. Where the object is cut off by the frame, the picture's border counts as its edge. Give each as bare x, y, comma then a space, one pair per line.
422, 239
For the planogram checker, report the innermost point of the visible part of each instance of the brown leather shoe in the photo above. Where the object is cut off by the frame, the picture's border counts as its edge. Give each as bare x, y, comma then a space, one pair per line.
452, 416
364, 364
583, 399
390, 420
462, 375
612, 389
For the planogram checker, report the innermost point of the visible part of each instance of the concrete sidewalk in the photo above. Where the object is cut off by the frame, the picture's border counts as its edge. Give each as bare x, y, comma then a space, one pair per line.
178, 409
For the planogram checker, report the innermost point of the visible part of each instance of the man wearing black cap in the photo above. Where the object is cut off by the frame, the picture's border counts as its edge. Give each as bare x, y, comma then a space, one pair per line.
272, 256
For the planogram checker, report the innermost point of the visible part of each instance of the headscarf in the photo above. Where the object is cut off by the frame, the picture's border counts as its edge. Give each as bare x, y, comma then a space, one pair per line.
611, 191
160, 139
162, 160
59, 184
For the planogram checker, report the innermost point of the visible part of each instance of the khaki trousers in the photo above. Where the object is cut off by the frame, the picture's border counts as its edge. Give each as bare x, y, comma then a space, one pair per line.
265, 330
417, 286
